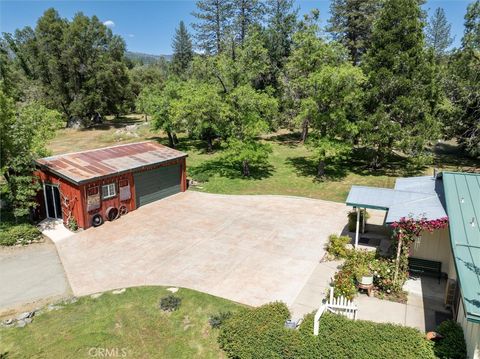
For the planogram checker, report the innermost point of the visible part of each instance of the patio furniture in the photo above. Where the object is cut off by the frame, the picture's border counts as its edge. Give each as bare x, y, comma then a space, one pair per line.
424, 266
367, 287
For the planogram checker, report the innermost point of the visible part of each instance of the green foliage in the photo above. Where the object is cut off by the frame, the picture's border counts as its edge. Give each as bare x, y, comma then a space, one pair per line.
246, 154
336, 246
260, 333
217, 320
438, 32
78, 64
201, 111
170, 303
344, 284
452, 346
401, 93
351, 24
340, 337
463, 86
19, 234
72, 224
182, 49
213, 24
352, 219
22, 139
256, 332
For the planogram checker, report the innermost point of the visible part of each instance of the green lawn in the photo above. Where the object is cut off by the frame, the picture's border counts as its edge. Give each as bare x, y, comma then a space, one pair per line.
130, 321
291, 169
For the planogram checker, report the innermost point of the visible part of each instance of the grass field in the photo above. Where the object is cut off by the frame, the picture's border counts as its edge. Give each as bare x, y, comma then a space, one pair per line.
131, 321
291, 169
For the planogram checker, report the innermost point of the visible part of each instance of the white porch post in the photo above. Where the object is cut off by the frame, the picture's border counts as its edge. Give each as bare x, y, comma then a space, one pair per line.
363, 220
358, 227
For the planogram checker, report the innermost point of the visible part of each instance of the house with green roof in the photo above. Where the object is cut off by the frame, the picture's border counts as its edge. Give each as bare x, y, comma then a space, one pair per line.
457, 248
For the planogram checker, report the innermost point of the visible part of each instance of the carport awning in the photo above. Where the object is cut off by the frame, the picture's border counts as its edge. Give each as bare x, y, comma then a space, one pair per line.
398, 203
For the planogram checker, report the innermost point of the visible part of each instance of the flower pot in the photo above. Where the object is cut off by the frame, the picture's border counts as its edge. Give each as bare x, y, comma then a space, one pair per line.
366, 280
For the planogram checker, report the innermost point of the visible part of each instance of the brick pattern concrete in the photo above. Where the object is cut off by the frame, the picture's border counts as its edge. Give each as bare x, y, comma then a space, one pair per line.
250, 249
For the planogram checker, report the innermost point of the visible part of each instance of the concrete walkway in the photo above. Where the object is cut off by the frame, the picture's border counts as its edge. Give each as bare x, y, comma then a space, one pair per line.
424, 309
315, 290
54, 229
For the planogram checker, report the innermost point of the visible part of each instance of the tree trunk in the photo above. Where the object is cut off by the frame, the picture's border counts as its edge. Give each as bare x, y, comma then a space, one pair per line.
175, 138
171, 143
305, 124
397, 265
209, 144
246, 169
321, 169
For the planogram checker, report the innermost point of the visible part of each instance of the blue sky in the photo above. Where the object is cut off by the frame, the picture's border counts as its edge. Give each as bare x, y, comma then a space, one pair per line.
148, 26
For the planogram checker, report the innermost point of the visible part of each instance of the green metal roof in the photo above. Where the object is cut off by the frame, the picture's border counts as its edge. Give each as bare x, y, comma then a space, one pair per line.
462, 196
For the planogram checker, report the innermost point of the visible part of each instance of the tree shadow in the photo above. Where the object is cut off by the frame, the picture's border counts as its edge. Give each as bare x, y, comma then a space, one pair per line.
358, 163
116, 123
291, 139
219, 166
449, 154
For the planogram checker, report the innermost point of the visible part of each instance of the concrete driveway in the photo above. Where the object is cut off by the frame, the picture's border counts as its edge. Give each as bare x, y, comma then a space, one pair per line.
30, 274
250, 249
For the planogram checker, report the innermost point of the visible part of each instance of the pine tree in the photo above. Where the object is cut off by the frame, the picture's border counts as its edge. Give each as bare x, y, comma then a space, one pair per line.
351, 24
399, 98
464, 85
182, 49
247, 13
214, 24
281, 21
438, 32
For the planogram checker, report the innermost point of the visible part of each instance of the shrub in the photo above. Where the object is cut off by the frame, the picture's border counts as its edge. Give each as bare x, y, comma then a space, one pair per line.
256, 332
260, 333
336, 246
352, 219
218, 319
453, 344
19, 234
170, 303
344, 284
340, 337
72, 224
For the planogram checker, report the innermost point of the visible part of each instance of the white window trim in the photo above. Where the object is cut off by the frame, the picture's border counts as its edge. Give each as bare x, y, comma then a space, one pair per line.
111, 190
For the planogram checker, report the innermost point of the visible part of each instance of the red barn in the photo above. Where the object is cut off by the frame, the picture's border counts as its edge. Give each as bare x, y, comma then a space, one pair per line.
102, 184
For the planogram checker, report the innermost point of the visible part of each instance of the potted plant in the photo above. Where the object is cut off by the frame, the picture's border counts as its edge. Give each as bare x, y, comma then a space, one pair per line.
364, 275
352, 220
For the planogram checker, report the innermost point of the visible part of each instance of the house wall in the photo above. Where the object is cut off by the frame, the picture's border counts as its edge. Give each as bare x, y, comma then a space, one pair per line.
435, 246
471, 331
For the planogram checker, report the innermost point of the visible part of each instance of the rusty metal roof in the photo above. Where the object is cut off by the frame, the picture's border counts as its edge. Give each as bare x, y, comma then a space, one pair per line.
81, 167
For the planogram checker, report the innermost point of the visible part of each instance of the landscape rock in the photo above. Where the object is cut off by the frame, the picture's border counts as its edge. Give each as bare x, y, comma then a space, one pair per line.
25, 315
21, 324
172, 289
8, 321
28, 320
51, 307
96, 295
119, 291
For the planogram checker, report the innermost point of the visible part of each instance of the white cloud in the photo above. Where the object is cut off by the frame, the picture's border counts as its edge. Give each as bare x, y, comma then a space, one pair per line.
109, 23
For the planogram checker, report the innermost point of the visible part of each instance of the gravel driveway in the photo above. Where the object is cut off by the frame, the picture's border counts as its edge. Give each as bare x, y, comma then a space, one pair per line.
250, 249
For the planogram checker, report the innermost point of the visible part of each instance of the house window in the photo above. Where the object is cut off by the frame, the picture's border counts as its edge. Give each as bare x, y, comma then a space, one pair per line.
108, 191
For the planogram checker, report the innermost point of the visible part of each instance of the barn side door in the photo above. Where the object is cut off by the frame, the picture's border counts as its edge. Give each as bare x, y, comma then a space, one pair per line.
53, 204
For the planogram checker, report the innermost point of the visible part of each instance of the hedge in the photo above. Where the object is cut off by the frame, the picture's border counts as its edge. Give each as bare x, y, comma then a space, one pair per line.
260, 333
452, 346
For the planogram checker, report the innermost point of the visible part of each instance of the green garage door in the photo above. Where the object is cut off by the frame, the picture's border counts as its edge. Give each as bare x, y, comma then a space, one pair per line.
156, 184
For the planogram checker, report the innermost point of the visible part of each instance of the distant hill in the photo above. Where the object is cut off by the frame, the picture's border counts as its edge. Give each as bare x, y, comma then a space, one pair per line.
146, 58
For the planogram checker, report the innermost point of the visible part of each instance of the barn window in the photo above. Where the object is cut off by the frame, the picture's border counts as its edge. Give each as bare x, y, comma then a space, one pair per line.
108, 191
123, 183
92, 191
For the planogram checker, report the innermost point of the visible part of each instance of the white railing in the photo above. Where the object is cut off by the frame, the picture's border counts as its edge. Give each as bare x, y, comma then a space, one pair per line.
340, 305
